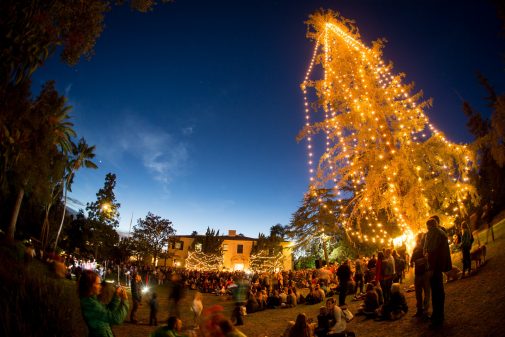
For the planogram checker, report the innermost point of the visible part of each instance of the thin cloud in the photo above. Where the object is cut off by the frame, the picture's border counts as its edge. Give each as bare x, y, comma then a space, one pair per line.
163, 156
67, 90
187, 131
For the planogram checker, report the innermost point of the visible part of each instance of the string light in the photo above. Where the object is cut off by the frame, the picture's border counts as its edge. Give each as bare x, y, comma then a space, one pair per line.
307, 112
378, 139
262, 262
198, 260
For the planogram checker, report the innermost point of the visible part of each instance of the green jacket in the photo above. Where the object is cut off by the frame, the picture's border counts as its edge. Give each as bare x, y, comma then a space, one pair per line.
99, 317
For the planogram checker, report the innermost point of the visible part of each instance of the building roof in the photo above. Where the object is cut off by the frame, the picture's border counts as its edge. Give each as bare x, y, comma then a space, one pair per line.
225, 237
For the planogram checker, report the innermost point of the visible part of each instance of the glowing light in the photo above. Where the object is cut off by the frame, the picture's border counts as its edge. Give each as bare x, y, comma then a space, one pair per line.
377, 139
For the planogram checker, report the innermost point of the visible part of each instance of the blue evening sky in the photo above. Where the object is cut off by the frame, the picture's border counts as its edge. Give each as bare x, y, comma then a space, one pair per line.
196, 106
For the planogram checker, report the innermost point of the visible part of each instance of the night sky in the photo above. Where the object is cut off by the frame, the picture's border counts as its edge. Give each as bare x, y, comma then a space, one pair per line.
196, 105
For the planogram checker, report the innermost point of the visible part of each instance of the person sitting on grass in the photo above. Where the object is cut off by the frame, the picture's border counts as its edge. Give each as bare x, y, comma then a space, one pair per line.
337, 322
323, 323
273, 300
252, 304
302, 327
172, 329
229, 330
396, 307
371, 302
291, 300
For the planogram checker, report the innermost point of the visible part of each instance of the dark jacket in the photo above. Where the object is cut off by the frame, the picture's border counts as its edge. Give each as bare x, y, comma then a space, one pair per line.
396, 304
466, 240
135, 289
418, 261
371, 301
344, 273
437, 247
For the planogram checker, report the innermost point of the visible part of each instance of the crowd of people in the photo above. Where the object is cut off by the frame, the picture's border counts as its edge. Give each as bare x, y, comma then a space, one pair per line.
375, 280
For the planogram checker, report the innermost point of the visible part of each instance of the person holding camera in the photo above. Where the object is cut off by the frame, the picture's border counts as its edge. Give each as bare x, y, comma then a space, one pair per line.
98, 316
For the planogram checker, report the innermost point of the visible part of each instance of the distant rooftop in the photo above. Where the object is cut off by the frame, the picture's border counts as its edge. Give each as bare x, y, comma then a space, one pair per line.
232, 235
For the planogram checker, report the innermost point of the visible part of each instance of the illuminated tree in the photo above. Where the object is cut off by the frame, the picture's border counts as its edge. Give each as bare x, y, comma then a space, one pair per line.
266, 254
263, 261
198, 260
380, 150
206, 251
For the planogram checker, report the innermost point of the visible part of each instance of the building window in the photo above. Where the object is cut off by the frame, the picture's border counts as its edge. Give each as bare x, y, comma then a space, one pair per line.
179, 245
240, 249
225, 247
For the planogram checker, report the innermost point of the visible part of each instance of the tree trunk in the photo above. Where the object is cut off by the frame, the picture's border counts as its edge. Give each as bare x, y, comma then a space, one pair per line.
15, 212
44, 232
62, 218
325, 252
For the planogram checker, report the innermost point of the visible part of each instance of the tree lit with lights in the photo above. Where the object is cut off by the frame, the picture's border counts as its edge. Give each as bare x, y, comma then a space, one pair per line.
381, 153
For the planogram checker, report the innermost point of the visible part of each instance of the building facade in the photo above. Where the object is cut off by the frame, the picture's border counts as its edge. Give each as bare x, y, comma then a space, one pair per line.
236, 251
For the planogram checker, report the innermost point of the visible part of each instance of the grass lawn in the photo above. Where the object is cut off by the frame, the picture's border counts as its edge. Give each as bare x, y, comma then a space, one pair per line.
475, 306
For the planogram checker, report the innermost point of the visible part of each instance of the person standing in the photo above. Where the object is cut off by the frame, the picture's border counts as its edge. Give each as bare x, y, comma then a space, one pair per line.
358, 277
379, 275
239, 297
421, 280
436, 249
176, 294
136, 296
344, 276
388, 274
485, 219
98, 316
153, 310
197, 308
466, 246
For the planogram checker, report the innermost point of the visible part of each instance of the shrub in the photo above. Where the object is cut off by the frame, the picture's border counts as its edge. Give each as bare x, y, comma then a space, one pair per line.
33, 301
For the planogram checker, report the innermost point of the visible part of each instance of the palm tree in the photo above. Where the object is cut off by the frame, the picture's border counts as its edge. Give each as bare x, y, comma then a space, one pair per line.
47, 121
63, 132
81, 157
